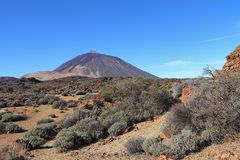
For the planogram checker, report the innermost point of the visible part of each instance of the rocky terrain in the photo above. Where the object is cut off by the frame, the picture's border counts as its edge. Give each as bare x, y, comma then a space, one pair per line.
118, 118
232, 66
92, 64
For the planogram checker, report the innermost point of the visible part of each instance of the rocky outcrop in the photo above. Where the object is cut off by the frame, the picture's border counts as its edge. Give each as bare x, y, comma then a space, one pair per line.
232, 66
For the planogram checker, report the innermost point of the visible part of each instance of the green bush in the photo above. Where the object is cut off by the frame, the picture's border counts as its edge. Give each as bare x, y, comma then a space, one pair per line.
59, 104
47, 120
42, 101
148, 143
211, 114
183, 144
13, 128
51, 98
66, 140
134, 145
83, 132
33, 142
71, 104
10, 153
9, 117
158, 149
178, 119
108, 92
91, 127
72, 119
118, 128
45, 131
85, 138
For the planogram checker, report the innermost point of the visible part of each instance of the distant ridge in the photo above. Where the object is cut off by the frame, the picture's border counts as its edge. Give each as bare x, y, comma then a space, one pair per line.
92, 64
7, 79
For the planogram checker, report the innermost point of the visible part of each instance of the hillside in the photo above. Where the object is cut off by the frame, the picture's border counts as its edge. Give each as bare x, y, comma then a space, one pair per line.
7, 79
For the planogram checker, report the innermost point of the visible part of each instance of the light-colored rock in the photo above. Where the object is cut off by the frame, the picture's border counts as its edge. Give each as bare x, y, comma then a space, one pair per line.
228, 155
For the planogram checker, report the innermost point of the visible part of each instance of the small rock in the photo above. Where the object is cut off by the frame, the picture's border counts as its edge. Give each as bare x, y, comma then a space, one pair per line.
107, 140
228, 155
166, 134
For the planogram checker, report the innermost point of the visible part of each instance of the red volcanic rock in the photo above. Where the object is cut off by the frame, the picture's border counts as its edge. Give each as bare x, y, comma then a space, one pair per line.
232, 66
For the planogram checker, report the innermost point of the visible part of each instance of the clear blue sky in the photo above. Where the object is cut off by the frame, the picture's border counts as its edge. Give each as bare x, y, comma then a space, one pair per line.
169, 38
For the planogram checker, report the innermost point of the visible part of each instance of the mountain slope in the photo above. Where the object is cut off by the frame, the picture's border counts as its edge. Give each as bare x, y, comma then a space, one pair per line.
94, 65
7, 79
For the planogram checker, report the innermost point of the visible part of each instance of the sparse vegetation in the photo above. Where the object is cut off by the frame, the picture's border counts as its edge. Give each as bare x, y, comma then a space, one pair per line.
143, 101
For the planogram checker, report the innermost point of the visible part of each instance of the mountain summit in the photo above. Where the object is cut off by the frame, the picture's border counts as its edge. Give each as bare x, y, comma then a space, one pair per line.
93, 64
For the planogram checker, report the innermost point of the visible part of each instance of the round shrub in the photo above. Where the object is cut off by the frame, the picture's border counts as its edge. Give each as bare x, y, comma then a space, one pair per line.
9, 117
60, 104
148, 143
183, 144
13, 128
134, 145
72, 119
158, 149
71, 104
92, 127
51, 98
66, 140
42, 101
85, 138
47, 120
45, 131
33, 142
117, 128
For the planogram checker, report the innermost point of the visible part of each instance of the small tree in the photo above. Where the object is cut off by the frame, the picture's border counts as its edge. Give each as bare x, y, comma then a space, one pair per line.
208, 71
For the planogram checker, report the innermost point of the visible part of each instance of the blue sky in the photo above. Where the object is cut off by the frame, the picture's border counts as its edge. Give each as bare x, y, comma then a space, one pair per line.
168, 38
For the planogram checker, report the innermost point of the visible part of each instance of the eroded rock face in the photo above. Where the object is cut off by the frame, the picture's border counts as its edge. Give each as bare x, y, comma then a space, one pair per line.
232, 66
